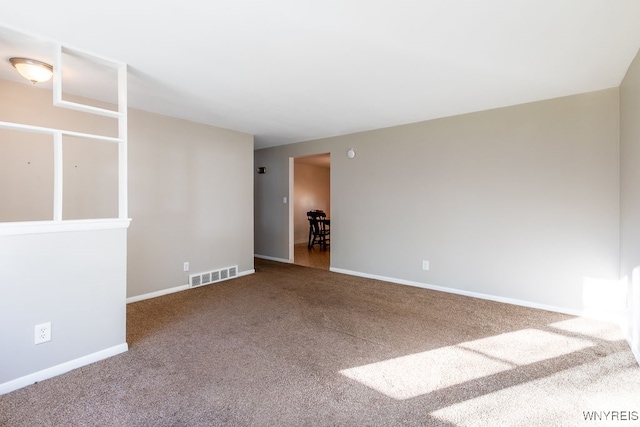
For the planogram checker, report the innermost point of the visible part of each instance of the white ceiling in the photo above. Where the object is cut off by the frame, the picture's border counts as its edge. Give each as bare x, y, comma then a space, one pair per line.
295, 70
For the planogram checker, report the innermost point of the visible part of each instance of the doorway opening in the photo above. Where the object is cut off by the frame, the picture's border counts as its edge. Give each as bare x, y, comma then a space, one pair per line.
310, 191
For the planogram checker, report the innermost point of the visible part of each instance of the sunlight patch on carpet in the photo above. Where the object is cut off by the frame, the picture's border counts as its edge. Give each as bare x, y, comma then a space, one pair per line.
568, 398
591, 328
527, 346
417, 374
420, 373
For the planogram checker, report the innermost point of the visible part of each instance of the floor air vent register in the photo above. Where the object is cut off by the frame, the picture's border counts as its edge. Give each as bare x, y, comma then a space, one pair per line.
214, 276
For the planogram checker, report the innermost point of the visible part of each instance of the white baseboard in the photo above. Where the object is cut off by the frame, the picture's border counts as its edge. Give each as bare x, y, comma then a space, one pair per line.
611, 317
634, 346
627, 328
635, 352
246, 272
270, 258
175, 289
62, 368
157, 294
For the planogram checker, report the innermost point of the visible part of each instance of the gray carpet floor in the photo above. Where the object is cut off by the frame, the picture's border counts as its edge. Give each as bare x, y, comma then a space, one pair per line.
295, 346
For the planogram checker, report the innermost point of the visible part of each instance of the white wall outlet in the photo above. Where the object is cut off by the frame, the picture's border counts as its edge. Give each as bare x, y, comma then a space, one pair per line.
284, 200
186, 266
425, 265
43, 333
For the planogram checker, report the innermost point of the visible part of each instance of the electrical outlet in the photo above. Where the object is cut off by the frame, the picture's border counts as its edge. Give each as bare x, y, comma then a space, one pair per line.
425, 265
186, 266
43, 333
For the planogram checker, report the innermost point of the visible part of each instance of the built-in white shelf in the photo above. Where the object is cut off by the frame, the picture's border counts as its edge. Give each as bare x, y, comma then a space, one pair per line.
58, 224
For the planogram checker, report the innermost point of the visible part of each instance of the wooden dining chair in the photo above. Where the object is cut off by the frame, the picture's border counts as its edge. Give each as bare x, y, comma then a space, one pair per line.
319, 229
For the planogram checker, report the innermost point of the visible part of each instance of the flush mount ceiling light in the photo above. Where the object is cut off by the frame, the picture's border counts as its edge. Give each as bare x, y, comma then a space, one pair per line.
32, 70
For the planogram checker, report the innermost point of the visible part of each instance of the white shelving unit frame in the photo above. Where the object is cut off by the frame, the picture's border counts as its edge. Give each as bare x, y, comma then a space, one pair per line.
58, 224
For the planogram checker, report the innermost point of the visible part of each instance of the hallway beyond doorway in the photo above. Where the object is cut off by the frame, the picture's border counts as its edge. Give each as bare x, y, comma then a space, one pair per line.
309, 190
315, 258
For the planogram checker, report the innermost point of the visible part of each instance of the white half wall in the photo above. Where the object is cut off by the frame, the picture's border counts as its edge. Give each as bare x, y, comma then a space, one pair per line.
74, 279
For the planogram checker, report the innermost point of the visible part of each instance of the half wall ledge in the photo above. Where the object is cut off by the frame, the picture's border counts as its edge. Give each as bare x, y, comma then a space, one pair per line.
41, 227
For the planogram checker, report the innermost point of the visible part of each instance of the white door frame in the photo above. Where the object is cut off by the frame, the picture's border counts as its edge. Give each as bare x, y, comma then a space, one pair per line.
290, 201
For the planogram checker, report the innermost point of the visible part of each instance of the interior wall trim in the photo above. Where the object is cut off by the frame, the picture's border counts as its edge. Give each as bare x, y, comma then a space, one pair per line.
62, 368
600, 315
271, 258
634, 348
175, 289
41, 227
157, 293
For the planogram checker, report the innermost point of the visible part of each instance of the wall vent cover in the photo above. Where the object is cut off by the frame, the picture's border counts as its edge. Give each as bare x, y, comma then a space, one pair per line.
212, 276
195, 280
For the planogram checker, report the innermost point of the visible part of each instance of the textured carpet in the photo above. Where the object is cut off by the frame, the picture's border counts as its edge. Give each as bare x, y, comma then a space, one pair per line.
296, 346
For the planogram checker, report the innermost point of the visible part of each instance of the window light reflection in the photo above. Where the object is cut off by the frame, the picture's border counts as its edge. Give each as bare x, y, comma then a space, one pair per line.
601, 330
417, 374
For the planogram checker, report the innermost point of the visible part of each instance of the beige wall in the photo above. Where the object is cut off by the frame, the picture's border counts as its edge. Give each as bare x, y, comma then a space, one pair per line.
190, 199
190, 185
630, 197
90, 168
311, 191
519, 202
